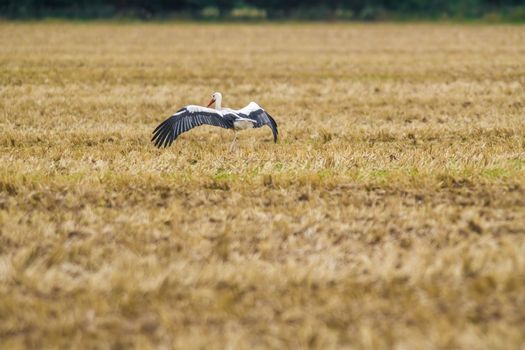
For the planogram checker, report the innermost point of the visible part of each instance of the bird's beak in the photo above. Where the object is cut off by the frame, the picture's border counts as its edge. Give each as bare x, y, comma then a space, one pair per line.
211, 102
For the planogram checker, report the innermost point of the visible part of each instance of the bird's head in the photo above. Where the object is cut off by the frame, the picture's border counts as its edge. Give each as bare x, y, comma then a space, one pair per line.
216, 96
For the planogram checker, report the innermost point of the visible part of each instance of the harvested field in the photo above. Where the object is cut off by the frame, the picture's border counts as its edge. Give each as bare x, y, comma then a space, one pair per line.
390, 214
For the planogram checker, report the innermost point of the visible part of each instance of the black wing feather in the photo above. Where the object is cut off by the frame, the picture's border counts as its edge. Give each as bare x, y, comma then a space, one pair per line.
262, 118
184, 120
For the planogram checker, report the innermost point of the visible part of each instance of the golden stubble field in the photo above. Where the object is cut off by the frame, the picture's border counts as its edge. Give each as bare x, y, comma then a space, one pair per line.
391, 214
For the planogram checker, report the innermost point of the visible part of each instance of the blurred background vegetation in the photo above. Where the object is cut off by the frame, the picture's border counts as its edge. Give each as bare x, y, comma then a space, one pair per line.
488, 10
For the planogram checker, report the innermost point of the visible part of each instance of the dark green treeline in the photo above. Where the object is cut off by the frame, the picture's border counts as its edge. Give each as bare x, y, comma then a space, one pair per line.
513, 10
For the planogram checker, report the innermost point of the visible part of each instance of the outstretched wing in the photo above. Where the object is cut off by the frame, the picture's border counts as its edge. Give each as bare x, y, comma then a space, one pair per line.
255, 112
186, 119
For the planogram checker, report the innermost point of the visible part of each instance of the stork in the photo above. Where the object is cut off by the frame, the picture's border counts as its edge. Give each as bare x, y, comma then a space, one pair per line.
191, 116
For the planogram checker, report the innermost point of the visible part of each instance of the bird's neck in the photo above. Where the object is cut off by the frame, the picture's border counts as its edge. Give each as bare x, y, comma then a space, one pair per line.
218, 104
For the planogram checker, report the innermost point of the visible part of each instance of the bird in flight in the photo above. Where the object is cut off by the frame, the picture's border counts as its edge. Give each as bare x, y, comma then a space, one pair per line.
191, 116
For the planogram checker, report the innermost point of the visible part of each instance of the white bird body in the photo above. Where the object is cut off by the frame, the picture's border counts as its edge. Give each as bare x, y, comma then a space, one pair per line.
251, 116
243, 124
239, 123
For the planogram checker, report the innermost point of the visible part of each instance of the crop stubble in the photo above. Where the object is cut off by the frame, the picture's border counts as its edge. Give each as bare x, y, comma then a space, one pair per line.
390, 213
